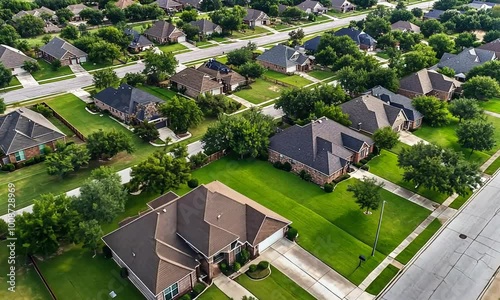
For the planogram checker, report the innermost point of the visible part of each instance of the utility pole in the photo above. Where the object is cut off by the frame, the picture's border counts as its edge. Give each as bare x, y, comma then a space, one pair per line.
378, 228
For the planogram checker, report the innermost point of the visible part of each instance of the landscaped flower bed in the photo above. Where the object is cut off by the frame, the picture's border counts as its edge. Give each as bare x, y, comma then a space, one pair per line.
259, 271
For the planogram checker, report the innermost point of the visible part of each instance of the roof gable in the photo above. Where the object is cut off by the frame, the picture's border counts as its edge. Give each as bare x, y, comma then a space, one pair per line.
58, 48
12, 58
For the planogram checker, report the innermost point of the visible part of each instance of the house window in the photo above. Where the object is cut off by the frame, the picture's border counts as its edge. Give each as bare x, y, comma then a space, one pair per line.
237, 250
41, 148
171, 291
218, 258
20, 155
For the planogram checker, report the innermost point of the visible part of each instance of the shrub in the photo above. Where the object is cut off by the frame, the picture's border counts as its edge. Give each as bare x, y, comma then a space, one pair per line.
185, 297
8, 167
291, 234
124, 272
192, 183
252, 268
305, 175
357, 165
198, 160
328, 187
363, 161
365, 167
30, 162
236, 266
43, 110
278, 165
106, 252
342, 178
223, 267
56, 64
19, 165
263, 155
287, 167
198, 288
263, 265
244, 256
370, 156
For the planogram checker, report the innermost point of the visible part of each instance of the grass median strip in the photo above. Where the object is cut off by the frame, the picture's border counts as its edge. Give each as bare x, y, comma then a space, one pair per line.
412, 249
382, 280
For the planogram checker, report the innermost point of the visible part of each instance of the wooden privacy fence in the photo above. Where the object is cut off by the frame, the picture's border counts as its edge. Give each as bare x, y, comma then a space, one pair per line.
65, 122
41, 277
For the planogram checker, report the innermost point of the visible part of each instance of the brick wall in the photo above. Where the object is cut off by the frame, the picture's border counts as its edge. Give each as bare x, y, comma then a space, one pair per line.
33, 151
272, 66
118, 114
408, 94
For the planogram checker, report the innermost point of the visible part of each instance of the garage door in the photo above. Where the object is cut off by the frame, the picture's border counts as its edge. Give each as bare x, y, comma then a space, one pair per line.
181, 39
270, 240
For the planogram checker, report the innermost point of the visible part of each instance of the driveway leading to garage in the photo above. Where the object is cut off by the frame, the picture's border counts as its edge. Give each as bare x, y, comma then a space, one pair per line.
26, 79
310, 273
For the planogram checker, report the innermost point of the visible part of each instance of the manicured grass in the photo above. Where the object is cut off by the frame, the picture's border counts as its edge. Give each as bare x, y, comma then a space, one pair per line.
321, 74
260, 91
358, 11
335, 227
248, 32
382, 280
493, 167
37, 40
57, 79
171, 47
412, 249
491, 105
213, 293
46, 71
28, 284
386, 166
294, 80
64, 129
203, 43
399, 146
14, 81
86, 277
383, 55
162, 93
460, 200
276, 286
446, 137
90, 66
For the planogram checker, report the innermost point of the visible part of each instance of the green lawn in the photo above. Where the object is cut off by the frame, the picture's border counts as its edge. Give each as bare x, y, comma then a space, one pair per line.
171, 47
386, 166
412, 249
162, 93
28, 283
14, 81
493, 167
213, 293
76, 275
64, 129
260, 91
90, 66
446, 137
275, 287
37, 40
491, 105
248, 32
294, 80
46, 71
382, 280
321, 74
460, 200
358, 11
335, 227
57, 79
383, 54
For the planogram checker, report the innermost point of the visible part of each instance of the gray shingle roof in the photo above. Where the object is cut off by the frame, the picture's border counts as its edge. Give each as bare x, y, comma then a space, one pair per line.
193, 3
405, 26
479, 4
398, 101
138, 40
359, 37
492, 46
255, 14
37, 12
168, 4
76, 8
205, 25
369, 113
309, 4
283, 56
338, 3
24, 128
222, 72
197, 80
13, 58
323, 145
312, 44
161, 29
463, 62
58, 47
425, 81
433, 14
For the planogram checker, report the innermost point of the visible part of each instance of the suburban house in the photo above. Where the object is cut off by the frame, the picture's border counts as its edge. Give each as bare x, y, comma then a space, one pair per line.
433, 14
193, 3
130, 104
139, 42
221, 73
256, 17
13, 59
24, 134
76, 9
362, 39
59, 49
312, 7
206, 27
163, 32
464, 61
492, 46
399, 101
181, 240
429, 83
192, 83
284, 59
481, 5
368, 113
312, 44
405, 26
342, 6
169, 6
124, 3
323, 148
37, 12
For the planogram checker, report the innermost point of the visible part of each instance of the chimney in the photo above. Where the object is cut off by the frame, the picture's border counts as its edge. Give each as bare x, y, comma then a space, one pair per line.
359, 125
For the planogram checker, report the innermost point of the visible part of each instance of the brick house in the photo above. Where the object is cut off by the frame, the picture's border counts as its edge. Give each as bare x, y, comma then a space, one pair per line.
76, 9
163, 32
256, 17
130, 104
362, 39
59, 49
429, 83
312, 7
284, 59
25, 134
192, 82
13, 59
221, 73
180, 240
323, 148
169, 6
342, 6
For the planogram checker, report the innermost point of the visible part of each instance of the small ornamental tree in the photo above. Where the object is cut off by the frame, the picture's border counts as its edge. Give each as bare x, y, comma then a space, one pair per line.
434, 110
465, 108
385, 138
146, 131
367, 193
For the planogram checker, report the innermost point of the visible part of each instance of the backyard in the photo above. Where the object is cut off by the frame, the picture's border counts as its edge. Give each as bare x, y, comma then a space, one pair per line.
492, 105
275, 287
260, 91
294, 80
162, 93
46, 71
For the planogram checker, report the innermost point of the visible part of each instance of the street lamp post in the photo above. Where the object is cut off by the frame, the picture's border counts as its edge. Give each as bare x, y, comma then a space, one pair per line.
378, 228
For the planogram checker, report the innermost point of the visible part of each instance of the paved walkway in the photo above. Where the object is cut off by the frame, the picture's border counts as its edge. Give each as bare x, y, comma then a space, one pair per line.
310, 273
189, 45
26, 79
494, 114
309, 77
78, 70
490, 161
241, 100
269, 28
231, 288
409, 138
400, 191
83, 95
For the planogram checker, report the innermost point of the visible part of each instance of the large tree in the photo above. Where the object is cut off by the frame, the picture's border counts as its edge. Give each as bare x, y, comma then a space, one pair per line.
367, 193
182, 113
104, 52
476, 135
29, 26
8, 35
296, 37
69, 32
332, 112
64, 15
115, 14
422, 56
385, 138
441, 43
490, 68
431, 27
465, 40
189, 15
251, 70
240, 56
89, 233
439, 169
5, 76
481, 87
214, 105
229, 20
434, 110
66, 159
93, 16
147, 131
106, 144
158, 66
465, 108
115, 36
377, 26
161, 171
105, 78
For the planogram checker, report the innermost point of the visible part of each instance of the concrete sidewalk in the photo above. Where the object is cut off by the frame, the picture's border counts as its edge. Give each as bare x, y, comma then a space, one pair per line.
493, 114
410, 139
308, 77
241, 100
231, 288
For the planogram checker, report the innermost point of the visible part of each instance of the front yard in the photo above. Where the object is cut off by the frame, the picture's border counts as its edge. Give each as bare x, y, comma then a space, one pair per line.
321, 74
412, 249
248, 32
260, 91
493, 167
213, 293
294, 80
275, 287
46, 71
171, 47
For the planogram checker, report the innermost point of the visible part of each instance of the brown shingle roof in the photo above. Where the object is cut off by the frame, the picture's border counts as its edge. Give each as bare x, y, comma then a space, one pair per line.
161, 29
124, 3
425, 81
196, 80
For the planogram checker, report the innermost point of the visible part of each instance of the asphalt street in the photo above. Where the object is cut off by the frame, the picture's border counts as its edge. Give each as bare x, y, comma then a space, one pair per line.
462, 259
86, 80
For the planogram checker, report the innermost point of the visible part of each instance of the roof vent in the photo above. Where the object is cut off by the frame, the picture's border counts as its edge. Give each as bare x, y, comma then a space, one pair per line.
133, 254
320, 121
164, 210
218, 217
359, 125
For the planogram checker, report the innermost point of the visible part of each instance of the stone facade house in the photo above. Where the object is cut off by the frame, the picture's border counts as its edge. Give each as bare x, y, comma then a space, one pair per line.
256, 17
181, 240
130, 104
25, 134
402, 102
323, 148
163, 32
429, 83
59, 49
368, 114
284, 59
192, 82
342, 6
13, 59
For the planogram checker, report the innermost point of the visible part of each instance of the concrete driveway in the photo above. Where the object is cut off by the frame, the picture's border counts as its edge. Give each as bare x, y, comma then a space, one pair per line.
409, 138
310, 273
